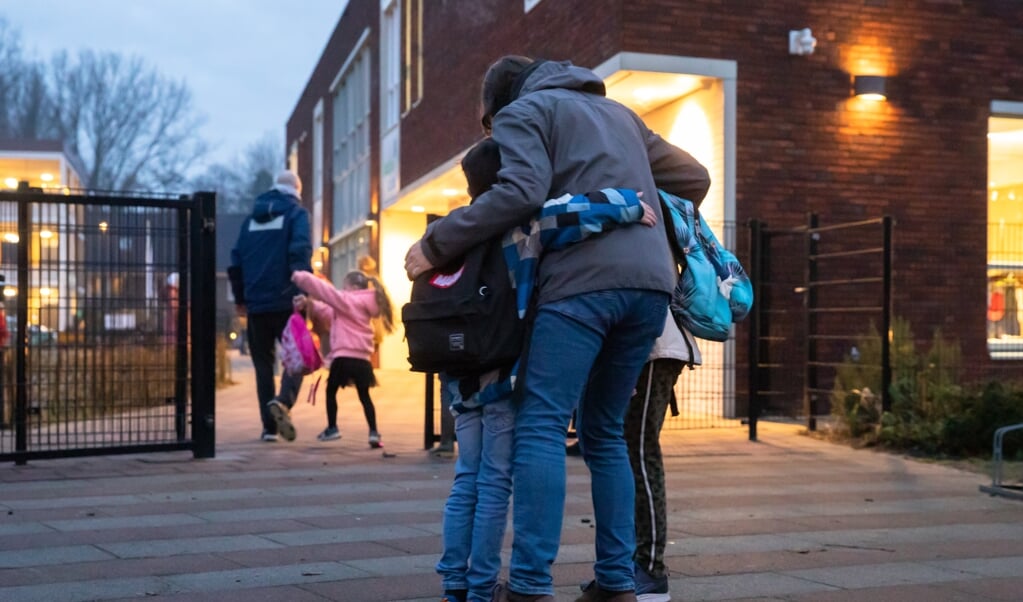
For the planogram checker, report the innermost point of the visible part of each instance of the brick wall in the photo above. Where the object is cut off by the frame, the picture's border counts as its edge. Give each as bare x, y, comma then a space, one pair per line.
803, 144
358, 15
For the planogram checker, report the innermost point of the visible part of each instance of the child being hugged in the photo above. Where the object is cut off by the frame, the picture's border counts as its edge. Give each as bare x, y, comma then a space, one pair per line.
350, 311
476, 510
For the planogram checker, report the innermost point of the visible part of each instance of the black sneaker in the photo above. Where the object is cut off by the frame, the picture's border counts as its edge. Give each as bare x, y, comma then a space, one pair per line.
374, 440
329, 434
454, 595
651, 589
282, 416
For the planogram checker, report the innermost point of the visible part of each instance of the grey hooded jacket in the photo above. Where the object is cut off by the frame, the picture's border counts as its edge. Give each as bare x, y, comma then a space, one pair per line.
562, 135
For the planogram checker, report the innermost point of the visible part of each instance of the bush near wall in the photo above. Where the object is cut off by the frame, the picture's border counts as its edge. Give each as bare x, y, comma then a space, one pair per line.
932, 411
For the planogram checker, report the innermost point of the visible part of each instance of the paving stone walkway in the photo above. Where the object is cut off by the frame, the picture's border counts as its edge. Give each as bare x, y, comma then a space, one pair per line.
787, 518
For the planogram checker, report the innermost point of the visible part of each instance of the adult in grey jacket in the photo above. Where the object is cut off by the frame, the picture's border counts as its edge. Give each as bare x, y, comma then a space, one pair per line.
601, 302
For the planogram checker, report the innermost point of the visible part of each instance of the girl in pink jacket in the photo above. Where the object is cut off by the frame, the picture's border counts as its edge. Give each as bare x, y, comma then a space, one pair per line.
349, 311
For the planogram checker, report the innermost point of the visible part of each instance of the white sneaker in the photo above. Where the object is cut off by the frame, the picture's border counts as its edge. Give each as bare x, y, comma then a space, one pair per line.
374, 440
271, 437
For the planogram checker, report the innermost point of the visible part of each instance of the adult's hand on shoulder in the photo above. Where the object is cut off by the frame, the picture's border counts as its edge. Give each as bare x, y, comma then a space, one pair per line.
415, 262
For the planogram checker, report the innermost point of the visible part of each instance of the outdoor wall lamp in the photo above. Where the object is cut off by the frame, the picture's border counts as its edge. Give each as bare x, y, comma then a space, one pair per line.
870, 87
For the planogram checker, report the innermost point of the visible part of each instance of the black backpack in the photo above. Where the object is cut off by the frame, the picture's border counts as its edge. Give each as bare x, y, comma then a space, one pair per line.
462, 319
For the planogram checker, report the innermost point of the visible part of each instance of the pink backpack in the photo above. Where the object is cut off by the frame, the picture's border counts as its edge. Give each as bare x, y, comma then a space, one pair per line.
299, 352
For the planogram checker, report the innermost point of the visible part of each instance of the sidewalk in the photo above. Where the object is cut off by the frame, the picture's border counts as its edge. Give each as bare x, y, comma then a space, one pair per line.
788, 518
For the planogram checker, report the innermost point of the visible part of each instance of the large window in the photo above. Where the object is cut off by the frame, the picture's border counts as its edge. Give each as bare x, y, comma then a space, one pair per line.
390, 65
317, 221
1005, 235
351, 146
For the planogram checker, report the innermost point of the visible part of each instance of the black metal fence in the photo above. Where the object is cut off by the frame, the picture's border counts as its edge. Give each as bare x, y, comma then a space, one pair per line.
818, 288
109, 312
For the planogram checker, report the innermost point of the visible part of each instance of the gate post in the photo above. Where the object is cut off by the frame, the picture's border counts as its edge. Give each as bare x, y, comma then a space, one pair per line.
810, 303
204, 324
886, 315
753, 378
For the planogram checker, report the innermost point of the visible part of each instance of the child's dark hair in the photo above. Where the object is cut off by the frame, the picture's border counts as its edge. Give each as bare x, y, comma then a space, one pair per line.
480, 166
361, 280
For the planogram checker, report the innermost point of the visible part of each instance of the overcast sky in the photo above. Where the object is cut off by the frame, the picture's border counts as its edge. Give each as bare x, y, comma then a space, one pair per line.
246, 61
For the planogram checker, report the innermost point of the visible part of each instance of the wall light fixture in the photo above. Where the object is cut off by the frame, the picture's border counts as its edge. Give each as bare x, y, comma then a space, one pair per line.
870, 87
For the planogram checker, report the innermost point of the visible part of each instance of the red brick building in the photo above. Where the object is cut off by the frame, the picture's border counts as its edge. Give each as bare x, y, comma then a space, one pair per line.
394, 102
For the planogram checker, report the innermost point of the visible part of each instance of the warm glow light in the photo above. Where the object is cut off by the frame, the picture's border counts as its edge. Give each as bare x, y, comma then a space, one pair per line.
870, 87
103, 226
318, 265
11, 237
233, 336
11, 182
45, 234
45, 292
1008, 136
450, 192
46, 177
417, 209
370, 223
10, 291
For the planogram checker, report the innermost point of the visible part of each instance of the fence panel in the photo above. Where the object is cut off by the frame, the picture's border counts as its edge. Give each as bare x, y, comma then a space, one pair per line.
96, 303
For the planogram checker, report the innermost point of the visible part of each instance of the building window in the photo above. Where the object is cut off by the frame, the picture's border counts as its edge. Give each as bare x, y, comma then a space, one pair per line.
317, 217
350, 206
1005, 236
390, 65
530, 4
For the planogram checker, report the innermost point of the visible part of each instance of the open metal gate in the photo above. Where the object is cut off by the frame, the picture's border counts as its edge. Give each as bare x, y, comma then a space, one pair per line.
102, 354
820, 290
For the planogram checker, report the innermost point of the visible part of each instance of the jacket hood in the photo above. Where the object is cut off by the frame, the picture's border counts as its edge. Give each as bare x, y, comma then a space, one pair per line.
545, 75
272, 203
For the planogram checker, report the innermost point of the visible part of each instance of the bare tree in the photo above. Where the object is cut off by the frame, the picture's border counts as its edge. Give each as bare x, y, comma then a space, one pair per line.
24, 102
245, 178
132, 128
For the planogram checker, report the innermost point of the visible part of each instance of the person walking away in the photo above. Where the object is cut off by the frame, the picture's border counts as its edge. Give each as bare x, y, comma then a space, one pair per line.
274, 241
350, 311
601, 303
368, 266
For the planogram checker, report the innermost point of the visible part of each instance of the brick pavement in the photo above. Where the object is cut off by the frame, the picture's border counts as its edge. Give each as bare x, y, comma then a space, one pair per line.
788, 518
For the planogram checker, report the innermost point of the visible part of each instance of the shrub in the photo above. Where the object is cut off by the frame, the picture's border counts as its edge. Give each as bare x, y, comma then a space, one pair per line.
931, 411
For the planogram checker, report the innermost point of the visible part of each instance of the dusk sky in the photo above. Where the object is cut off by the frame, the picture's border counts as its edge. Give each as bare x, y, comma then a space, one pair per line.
246, 61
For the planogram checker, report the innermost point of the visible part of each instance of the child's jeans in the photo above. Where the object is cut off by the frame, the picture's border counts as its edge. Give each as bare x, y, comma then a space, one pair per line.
476, 512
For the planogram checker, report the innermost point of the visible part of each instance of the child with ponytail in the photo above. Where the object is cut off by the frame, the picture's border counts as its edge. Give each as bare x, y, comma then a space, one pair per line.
350, 311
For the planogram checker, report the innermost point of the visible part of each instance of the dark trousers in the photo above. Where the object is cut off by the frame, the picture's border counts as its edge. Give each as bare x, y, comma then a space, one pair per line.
643, 422
345, 371
264, 330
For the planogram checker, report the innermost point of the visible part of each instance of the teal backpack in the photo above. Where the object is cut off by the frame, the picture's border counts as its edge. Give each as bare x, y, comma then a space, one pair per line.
713, 290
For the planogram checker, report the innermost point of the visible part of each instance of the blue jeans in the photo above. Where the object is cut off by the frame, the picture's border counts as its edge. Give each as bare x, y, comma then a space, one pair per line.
587, 350
476, 512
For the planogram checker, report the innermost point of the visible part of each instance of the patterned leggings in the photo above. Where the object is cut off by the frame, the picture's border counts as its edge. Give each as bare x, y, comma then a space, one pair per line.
643, 422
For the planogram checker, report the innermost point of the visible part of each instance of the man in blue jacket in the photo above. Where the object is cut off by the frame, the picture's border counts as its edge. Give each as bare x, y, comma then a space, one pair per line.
274, 241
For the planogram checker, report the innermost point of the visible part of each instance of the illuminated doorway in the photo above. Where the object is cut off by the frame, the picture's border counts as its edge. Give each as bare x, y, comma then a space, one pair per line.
691, 103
